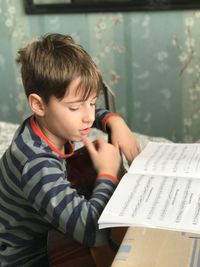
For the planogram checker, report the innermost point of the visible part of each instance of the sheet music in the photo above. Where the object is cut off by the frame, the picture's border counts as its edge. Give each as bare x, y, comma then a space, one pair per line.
159, 201
168, 159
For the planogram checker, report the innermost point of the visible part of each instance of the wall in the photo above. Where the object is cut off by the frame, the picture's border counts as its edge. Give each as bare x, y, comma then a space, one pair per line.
150, 60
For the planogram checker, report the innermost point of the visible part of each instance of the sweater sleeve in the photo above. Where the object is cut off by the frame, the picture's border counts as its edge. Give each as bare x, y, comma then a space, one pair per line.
47, 189
101, 118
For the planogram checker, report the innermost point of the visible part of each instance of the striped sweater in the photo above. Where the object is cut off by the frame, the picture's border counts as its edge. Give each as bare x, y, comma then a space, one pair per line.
35, 195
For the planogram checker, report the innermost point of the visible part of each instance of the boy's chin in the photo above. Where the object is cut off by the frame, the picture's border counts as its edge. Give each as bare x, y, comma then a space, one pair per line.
77, 139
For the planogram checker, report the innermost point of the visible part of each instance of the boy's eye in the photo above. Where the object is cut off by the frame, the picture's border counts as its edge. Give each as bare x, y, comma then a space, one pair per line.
73, 108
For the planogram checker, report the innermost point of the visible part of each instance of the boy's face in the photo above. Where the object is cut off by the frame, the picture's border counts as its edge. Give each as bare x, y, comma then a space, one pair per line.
70, 118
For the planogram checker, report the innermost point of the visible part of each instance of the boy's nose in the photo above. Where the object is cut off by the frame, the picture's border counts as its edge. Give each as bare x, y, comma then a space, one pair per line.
89, 116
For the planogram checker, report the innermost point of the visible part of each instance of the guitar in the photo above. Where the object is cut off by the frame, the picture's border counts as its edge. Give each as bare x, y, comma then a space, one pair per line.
64, 251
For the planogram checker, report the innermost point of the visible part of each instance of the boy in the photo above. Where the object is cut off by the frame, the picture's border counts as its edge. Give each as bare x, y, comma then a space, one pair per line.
61, 83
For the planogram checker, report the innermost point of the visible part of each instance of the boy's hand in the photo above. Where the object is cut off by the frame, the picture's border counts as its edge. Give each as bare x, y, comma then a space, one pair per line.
105, 157
123, 138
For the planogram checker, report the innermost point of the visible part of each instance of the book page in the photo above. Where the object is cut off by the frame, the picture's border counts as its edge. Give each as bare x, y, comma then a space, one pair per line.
170, 159
154, 201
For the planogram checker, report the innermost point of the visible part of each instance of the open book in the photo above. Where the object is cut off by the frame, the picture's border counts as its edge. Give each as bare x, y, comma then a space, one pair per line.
160, 190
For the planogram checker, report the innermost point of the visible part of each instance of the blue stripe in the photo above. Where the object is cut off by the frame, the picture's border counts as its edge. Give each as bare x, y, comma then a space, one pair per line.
49, 195
36, 139
24, 148
63, 203
100, 114
25, 256
6, 186
71, 223
107, 181
10, 212
34, 136
35, 169
97, 205
17, 164
28, 253
9, 173
16, 204
29, 153
101, 196
19, 218
15, 239
37, 188
23, 228
103, 192
90, 230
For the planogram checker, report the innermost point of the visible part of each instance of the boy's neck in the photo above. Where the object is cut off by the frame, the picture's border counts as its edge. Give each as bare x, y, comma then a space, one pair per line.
59, 146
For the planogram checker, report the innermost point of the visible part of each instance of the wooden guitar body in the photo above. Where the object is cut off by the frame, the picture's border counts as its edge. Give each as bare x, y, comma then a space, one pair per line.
63, 251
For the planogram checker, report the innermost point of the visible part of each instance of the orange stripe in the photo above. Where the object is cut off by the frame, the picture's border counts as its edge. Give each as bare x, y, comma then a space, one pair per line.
105, 120
42, 136
112, 177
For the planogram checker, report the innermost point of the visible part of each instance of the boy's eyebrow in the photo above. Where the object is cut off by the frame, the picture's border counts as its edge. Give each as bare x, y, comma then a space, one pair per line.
78, 101
73, 102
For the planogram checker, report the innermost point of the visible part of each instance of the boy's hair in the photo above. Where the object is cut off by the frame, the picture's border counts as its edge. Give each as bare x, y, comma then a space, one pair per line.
50, 64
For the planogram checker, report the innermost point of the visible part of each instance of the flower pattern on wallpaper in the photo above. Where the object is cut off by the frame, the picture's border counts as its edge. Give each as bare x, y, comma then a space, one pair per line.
189, 57
150, 72
14, 26
138, 53
103, 26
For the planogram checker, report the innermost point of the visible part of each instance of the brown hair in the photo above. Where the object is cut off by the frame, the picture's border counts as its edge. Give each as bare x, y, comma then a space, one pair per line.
50, 64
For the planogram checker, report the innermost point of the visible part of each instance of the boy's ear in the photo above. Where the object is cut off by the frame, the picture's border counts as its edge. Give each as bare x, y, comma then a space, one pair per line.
36, 104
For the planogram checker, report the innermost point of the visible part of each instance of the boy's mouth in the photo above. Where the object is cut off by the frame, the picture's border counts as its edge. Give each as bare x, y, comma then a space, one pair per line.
85, 131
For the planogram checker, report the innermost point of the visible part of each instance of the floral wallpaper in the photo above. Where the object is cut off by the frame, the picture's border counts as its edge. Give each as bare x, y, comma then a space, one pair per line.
149, 59
189, 58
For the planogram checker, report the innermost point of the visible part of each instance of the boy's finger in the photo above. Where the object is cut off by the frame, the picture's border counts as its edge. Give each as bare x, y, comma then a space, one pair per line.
115, 144
89, 145
99, 142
